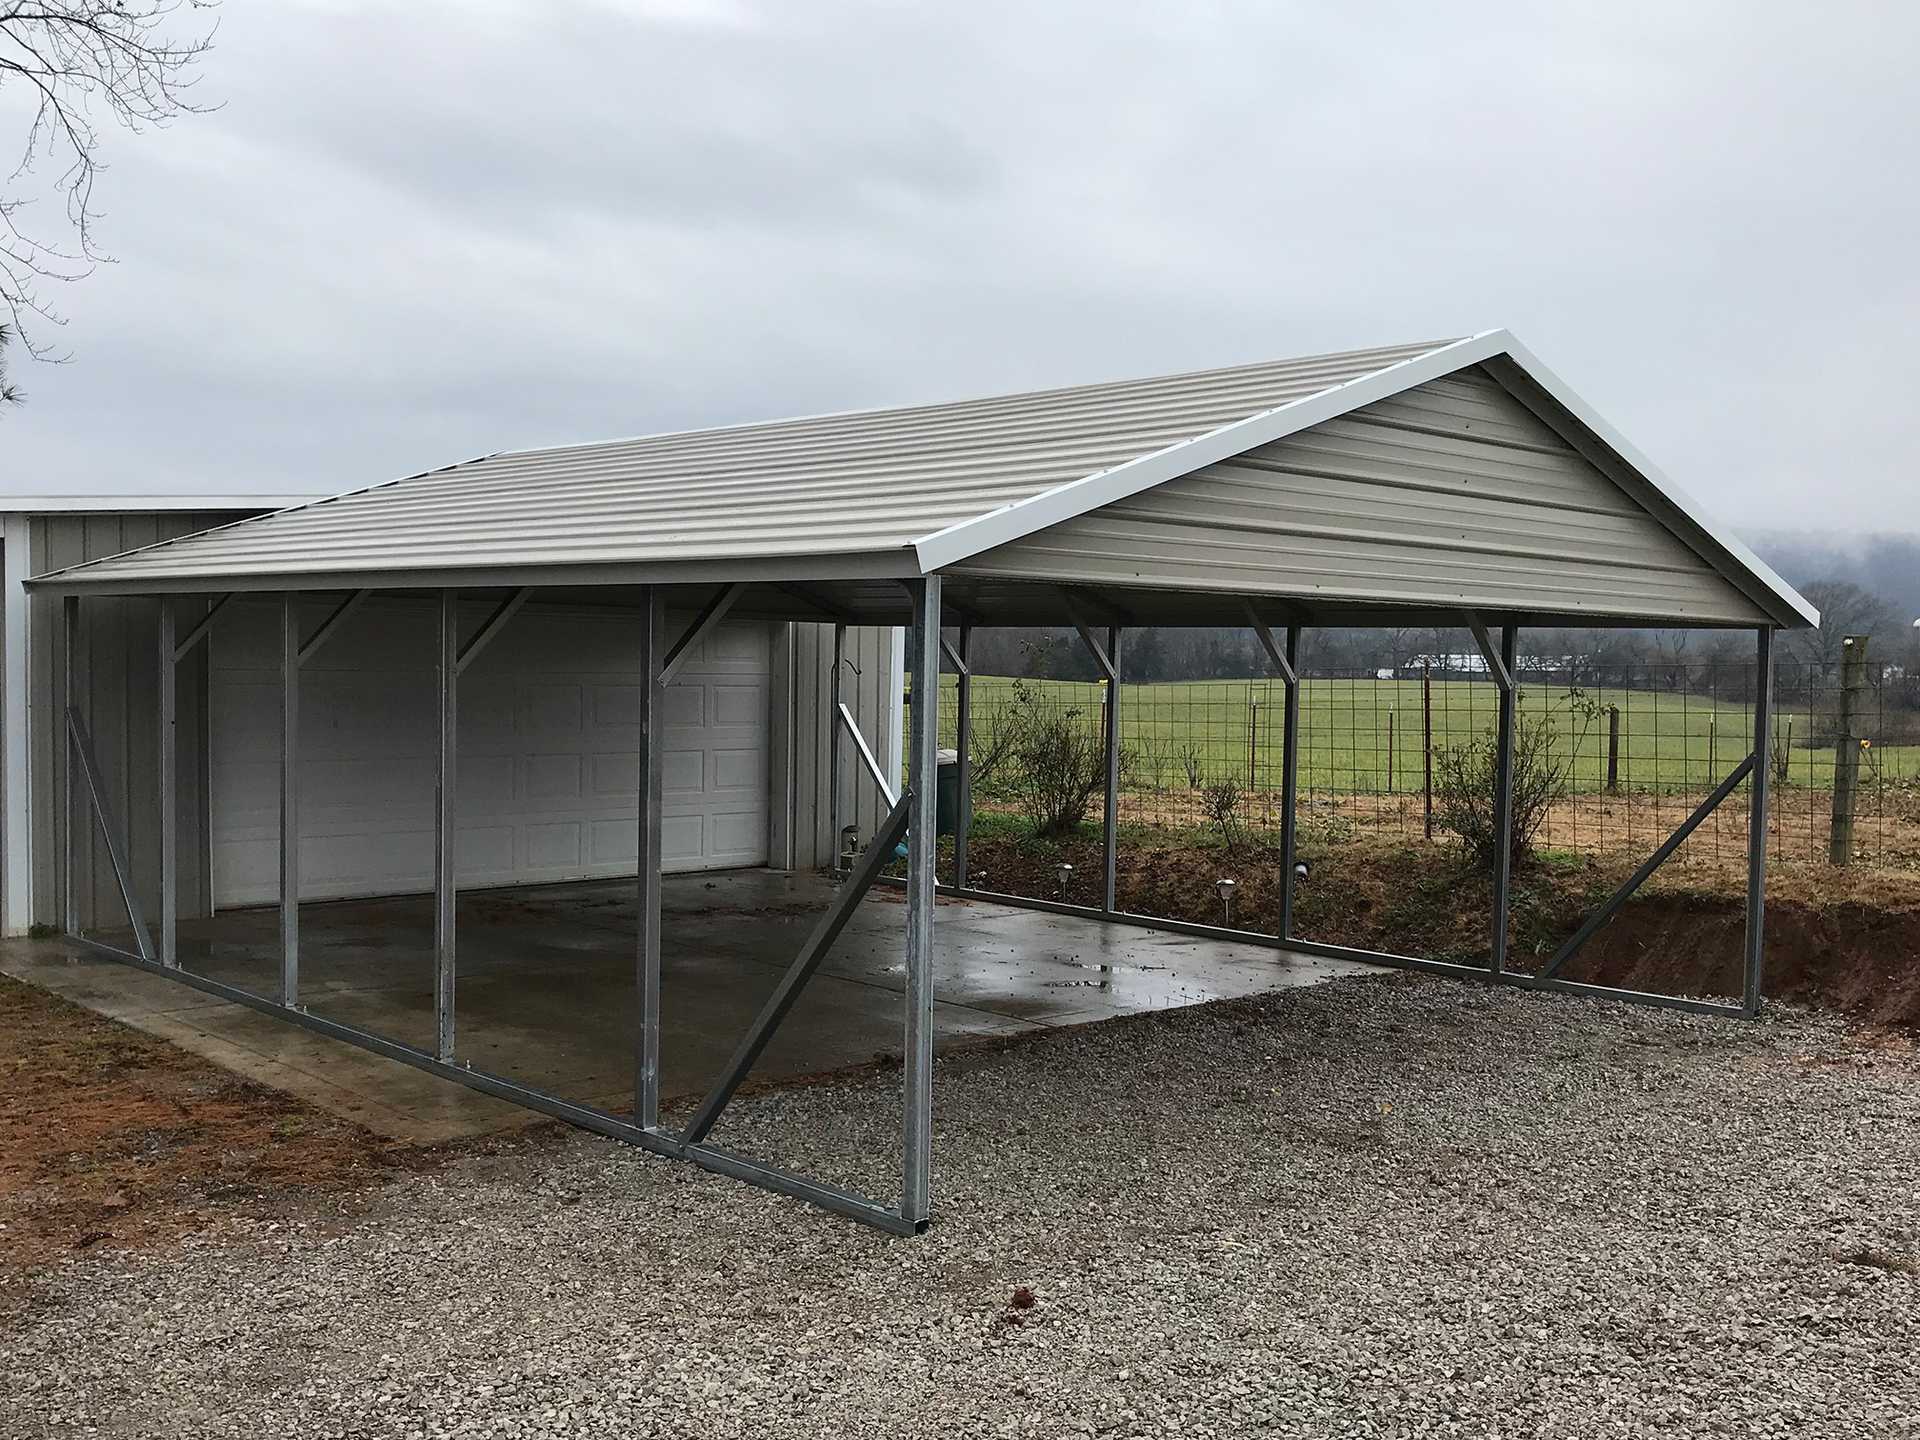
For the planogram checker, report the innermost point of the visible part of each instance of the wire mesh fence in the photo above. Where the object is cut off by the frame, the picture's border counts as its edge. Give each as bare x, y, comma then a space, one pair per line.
1616, 756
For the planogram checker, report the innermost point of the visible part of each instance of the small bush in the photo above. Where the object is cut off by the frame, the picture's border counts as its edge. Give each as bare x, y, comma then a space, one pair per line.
1464, 775
993, 743
1220, 803
1190, 763
1063, 763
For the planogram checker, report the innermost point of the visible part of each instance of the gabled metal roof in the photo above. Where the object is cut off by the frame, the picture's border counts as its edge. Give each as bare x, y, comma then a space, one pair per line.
899, 492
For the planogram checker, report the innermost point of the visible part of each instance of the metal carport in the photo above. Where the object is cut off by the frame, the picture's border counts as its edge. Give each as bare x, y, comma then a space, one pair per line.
1450, 482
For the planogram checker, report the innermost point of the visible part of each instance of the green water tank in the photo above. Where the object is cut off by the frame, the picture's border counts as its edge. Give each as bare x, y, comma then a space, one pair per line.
946, 792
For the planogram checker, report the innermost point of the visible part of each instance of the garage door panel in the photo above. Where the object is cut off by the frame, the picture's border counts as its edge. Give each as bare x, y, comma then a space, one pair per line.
551, 777
686, 704
739, 705
554, 846
613, 843
618, 707
682, 842
547, 771
551, 710
738, 769
485, 783
683, 772
485, 854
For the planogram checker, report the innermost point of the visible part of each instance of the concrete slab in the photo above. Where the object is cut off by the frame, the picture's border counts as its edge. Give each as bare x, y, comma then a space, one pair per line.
546, 988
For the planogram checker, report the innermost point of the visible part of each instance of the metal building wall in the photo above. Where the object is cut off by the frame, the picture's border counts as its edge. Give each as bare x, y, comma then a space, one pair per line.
116, 658
868, 671
1451, 494
117, 653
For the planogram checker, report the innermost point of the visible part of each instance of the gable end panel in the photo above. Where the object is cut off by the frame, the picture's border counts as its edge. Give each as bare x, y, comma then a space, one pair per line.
1450, 494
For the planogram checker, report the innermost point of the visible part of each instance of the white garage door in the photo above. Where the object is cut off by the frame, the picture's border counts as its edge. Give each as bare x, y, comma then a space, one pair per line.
547, 769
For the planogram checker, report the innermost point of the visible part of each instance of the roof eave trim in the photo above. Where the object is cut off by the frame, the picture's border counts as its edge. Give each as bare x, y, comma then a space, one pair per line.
1021, 518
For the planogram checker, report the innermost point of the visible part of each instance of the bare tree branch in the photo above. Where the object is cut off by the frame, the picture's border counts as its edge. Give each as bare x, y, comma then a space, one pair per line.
75, 59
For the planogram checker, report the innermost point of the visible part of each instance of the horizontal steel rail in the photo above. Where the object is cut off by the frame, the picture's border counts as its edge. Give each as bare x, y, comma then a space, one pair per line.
585, 1117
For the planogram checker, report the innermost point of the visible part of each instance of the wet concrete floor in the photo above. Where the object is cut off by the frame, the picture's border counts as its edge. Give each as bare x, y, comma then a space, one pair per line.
545, 994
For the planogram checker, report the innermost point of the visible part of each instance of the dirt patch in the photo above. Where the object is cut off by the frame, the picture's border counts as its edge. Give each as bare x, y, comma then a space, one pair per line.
113, 1138
1845, 940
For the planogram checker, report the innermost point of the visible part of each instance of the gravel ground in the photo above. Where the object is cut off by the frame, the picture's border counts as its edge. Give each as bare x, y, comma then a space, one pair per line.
1389, 1206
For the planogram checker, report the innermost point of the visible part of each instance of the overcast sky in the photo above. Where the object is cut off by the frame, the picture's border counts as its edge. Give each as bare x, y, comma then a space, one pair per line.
421, 232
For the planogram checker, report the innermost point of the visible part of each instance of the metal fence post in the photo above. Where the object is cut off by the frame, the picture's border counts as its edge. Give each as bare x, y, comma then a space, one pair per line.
289, 800
1757, 822
1426, 741
1846, 748
1613, 749
1289, 783
1110, 738
963, 754
647, 979
1503, 795
923, 664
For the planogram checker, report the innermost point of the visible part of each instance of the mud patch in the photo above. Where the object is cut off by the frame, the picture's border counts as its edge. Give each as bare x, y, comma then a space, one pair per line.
110, 1138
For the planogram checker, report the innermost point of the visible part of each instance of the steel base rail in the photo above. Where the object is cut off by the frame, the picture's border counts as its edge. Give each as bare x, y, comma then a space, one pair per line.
1517, 979
1450, 969
585, 1117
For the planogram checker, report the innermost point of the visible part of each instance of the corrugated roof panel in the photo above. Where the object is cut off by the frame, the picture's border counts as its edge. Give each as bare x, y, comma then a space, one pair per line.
855, 483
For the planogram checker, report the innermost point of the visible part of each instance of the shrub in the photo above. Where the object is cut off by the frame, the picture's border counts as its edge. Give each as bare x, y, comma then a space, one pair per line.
993, 745
1190, 762
1463, 780
1064, 764
1220, 803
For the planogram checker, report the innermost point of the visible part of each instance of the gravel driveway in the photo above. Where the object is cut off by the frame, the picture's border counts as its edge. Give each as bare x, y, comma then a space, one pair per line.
1391, 1206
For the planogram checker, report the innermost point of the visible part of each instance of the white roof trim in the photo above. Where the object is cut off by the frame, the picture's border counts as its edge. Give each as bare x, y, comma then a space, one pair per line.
1022, 518
145, 504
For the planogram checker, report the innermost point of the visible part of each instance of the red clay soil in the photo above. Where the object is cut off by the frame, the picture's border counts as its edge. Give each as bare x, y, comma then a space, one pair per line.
1842, 940
113, 1138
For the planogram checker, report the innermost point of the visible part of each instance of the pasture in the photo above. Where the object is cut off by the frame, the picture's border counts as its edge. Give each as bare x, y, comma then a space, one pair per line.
1366, 736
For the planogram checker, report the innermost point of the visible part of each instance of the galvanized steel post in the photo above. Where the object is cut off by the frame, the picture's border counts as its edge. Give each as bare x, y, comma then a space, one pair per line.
1110, 822
1289, 782
652, 726
447, 673
168, 784
289, 800
1757, 822
963, 754
70, 852
923, 664
833, 750
1503, 794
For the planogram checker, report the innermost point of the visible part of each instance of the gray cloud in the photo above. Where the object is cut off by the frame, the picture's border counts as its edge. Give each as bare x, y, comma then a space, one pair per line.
419, 233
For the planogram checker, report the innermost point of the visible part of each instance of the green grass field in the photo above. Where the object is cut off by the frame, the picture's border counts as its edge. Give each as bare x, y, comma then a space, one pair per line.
1349, 727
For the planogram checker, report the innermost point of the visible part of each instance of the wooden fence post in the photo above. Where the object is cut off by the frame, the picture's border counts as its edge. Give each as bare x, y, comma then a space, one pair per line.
1846, 747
